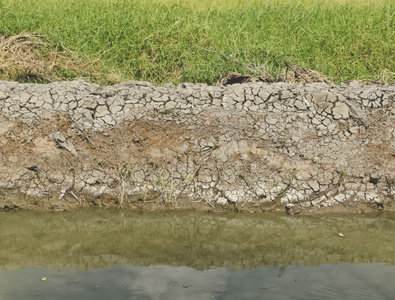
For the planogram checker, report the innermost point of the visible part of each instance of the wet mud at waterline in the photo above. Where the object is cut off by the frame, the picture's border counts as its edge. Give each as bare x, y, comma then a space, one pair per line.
296, 148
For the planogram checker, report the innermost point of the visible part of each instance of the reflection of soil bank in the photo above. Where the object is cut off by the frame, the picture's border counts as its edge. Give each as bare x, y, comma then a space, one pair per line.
242, 147
238, 241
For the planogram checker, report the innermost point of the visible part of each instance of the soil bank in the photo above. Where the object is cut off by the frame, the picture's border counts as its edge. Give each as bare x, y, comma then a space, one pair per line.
299, 148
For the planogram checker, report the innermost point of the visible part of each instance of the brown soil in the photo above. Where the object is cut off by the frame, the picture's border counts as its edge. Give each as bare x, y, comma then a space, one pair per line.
38, 161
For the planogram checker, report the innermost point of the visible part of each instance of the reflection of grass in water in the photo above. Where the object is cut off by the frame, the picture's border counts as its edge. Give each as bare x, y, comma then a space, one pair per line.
176, 41
98, 239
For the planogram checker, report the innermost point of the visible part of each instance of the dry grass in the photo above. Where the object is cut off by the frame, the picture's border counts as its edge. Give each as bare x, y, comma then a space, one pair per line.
292, 74
30, 57
385, 76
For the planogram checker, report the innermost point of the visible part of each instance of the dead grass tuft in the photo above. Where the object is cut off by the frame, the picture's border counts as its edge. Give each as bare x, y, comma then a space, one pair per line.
30, 57
290, 74
385, 76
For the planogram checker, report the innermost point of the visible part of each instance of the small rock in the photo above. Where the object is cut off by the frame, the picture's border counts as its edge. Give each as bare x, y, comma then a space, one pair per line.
222, 201
61, 142
290, 208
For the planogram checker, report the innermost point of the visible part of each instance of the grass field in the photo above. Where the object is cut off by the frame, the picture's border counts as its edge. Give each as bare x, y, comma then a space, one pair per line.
107, 41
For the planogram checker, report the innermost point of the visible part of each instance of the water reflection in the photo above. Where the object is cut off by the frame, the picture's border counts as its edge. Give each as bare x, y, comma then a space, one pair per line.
330, 281
129, 255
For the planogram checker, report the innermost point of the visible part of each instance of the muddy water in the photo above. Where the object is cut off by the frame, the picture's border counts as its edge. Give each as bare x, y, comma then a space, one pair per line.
184, 255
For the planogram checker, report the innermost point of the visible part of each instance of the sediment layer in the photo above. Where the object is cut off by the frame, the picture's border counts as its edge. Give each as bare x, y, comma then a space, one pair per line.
297, 148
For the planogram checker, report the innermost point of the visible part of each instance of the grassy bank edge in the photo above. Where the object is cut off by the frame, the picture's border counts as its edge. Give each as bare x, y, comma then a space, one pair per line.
104, 42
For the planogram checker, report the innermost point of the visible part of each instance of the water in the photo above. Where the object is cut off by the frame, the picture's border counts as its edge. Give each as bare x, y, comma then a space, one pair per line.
97, 254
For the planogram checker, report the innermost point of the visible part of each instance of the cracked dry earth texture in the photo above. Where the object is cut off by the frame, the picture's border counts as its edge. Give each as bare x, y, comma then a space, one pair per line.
248, 147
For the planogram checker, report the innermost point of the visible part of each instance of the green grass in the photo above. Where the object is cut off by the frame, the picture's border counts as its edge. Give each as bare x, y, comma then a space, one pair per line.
191, 41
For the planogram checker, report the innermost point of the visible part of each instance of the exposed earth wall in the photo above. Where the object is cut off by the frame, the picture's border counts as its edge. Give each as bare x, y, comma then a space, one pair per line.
255, 147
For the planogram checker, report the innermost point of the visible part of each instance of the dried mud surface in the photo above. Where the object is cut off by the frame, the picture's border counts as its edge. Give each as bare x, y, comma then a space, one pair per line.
288, 154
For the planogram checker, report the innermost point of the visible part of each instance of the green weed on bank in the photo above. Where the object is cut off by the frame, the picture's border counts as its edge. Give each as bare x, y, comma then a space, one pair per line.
197, 41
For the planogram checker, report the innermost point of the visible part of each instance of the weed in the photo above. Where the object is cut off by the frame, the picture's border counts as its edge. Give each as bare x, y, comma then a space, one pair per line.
173, 185
291, 180
170, 111
343, 175
123, 172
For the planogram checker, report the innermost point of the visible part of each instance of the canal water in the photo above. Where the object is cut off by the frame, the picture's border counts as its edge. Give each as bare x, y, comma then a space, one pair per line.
104, 254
